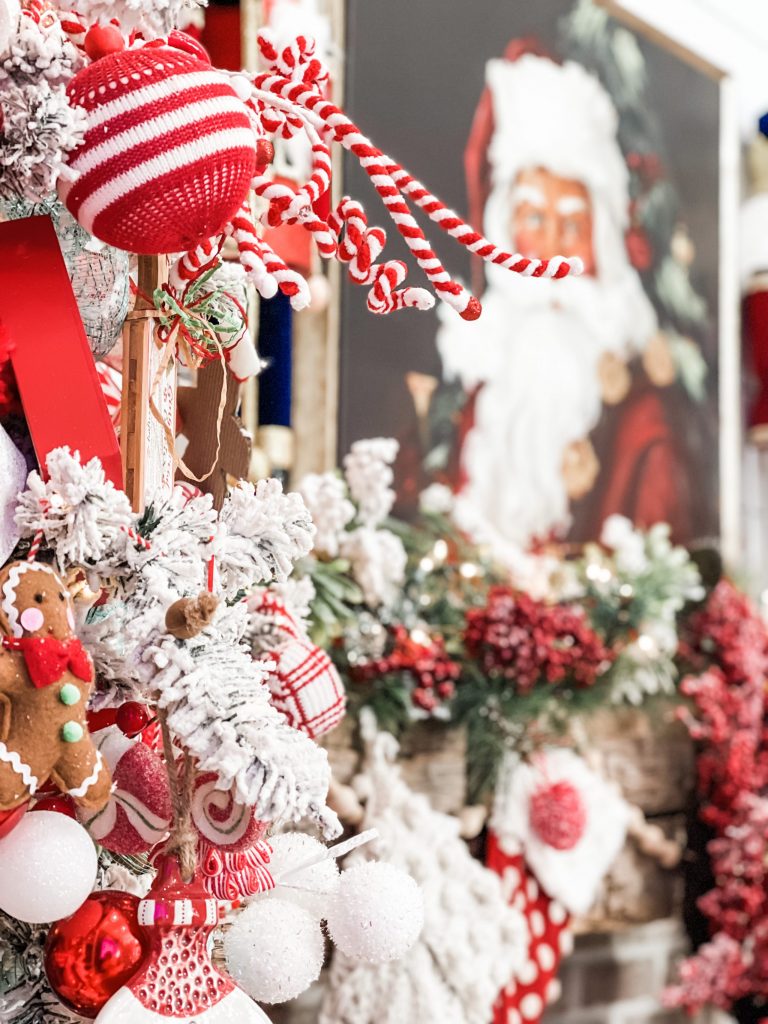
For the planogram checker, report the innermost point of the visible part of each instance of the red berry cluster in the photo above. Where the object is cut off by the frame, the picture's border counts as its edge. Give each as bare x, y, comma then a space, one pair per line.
729, 724
433, 671
527, 642
730, 634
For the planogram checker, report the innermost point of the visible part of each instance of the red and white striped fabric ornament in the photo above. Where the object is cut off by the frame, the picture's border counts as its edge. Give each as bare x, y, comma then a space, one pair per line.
305, 685
169, 152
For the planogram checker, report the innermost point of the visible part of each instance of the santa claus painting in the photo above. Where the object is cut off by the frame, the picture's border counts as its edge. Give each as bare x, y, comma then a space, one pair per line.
566, 421
569, 400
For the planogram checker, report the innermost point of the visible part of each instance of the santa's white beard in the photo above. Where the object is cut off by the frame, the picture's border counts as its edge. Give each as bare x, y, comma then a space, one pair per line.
535, 351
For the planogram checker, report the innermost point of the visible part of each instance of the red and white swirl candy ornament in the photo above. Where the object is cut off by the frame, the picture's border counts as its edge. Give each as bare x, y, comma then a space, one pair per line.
232, 853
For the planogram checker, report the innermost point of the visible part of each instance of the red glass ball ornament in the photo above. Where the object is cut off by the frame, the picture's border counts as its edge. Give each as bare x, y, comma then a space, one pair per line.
133, 718
10, 819
558, 815
93, 953
59, 803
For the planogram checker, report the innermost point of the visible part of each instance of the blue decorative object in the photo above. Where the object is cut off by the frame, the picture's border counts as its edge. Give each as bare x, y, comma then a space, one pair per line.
276, 349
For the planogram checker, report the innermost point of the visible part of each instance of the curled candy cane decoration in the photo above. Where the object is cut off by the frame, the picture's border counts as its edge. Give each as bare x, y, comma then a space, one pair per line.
296, 61
393, 183
454, 226
359, 247
192, 264
289, 206
73, 27
263, 266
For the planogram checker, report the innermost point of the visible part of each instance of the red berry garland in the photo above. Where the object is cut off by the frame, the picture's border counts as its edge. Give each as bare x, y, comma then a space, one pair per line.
526, 642
728, 720
432, 670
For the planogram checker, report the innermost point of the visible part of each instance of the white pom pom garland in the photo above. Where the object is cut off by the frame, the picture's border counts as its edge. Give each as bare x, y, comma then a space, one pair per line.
377, 914
274, 950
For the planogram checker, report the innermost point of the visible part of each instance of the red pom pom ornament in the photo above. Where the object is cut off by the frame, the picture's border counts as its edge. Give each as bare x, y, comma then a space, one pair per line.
169, 152
101, 40
558, 815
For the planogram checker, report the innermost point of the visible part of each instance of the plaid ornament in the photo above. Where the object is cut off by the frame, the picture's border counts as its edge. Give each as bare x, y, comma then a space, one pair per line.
304, 682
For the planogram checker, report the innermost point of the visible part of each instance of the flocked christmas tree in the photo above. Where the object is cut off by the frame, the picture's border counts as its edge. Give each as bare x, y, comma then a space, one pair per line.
160, 695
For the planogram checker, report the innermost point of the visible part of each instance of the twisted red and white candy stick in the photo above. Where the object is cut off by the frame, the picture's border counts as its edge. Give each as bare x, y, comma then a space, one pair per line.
359, 247
450, 222
296, 61
192, 264
393, 183
74, 28
374, 162
34, 547
288, 205
265, 268
137, 538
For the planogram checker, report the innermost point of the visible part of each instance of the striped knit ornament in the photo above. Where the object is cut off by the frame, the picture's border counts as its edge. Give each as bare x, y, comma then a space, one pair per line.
169, 153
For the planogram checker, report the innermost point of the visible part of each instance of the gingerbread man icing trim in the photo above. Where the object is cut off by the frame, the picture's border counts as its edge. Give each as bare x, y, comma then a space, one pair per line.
10, 587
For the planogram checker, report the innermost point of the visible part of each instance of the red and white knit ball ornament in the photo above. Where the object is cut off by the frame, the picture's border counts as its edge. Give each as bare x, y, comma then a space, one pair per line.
169, 152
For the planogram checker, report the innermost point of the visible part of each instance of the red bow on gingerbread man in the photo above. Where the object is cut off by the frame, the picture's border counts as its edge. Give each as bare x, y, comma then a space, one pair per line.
48, 658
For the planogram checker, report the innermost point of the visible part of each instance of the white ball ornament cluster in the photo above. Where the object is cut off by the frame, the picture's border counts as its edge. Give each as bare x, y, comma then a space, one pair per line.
274, 950
48, 868
374, 912
303, 871
377, 914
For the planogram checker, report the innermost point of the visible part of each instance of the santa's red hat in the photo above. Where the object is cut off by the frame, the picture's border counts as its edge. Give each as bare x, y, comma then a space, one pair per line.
536, 112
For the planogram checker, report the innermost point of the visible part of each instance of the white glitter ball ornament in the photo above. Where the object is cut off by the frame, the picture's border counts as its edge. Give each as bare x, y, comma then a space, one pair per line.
47, 867
274, 950
377, 914
304, 872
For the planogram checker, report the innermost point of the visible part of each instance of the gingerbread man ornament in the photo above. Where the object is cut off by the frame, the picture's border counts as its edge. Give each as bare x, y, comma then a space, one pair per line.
45, 681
